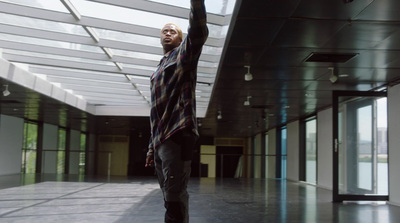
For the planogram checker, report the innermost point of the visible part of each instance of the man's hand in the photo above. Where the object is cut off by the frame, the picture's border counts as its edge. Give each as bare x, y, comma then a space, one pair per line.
149, 161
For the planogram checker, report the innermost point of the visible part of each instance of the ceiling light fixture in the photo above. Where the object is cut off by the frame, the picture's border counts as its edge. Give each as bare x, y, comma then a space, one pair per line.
247, 102
248, 76
219, 117
6, 92
332, 78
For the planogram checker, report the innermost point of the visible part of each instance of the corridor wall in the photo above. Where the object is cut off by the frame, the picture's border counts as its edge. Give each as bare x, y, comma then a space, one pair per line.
49, 160
394, 143
11, 140
293, 148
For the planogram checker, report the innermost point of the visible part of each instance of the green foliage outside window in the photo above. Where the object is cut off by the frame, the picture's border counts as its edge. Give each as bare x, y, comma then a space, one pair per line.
29, 147
62, 137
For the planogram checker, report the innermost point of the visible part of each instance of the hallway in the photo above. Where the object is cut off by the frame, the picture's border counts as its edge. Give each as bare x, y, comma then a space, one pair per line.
52, 199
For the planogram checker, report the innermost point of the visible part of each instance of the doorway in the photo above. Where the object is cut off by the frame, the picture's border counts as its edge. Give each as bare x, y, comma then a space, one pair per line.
360, 151
228, 160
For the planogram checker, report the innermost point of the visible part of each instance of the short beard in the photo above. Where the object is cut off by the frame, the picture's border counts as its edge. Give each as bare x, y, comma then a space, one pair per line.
168, 47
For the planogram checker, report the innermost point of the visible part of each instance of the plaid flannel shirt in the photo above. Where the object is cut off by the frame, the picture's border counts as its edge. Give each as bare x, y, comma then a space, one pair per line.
173, 84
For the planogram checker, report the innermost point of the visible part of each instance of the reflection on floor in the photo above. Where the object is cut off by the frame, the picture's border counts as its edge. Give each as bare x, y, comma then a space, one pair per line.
47, 198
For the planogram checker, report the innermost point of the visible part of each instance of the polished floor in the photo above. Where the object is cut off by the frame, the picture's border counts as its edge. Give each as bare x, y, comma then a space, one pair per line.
76, 199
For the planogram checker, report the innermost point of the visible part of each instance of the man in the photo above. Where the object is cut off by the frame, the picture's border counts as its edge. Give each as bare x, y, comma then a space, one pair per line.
173, 111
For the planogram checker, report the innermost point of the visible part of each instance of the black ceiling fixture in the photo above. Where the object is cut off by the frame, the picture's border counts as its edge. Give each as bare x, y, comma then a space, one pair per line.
330, 57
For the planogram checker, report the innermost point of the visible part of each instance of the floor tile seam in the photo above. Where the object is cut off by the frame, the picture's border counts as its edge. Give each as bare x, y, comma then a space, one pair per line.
66, 214
81, 190
48, 200
86, 205
97, 197
33, 199
30, 187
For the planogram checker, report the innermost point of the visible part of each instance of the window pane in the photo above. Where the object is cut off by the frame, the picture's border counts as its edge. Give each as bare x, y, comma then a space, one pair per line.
30, 159
60, 162
382, 147
311, 151
364, 145
62, 137
283, 152
82, 155
29, 148
266, 157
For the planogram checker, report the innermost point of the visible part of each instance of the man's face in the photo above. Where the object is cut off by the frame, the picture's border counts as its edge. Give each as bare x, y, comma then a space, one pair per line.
170, 38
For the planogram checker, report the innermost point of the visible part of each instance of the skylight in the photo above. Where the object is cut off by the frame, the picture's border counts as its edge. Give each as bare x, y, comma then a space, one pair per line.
106, 55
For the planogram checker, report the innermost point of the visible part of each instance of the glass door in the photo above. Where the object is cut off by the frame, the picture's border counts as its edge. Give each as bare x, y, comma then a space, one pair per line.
360, 146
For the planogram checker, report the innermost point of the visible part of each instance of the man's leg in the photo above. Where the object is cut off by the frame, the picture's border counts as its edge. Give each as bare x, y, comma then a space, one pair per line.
173, 174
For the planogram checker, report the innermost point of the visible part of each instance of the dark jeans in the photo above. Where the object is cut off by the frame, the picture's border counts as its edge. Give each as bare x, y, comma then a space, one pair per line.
173, 165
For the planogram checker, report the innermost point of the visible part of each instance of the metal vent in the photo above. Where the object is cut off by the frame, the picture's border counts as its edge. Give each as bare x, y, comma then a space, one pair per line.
330, 57
262, 106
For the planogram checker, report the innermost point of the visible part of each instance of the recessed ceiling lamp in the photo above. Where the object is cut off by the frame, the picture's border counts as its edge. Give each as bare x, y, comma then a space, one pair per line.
333, 78
6, 92
247, 102
219, 117
248, 76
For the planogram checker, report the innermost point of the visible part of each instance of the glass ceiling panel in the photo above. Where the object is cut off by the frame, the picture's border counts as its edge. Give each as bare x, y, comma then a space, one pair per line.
98, 75
207, 64
81, 87
43, 4
127, 37
221, 7
157, 57
49, 43
66, 58
92, 81
125, 15
150, 69
138, 55
42, 24
205, 75
53, 41
132, 16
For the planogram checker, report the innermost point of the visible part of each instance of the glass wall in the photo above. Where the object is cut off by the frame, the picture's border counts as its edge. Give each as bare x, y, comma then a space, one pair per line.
362, 147
266, 155
382, 147
283, 152
82, 154
311, 150
29, 147
62, 137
